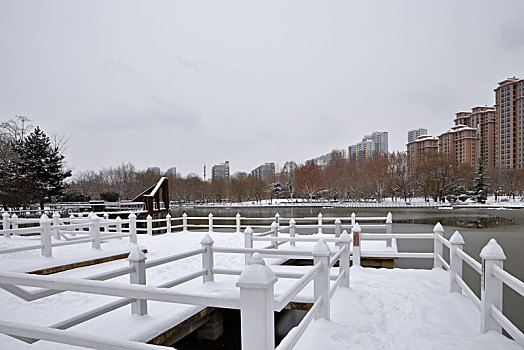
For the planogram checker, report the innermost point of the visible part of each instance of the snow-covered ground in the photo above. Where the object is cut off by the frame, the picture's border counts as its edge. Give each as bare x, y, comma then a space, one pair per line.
385, 309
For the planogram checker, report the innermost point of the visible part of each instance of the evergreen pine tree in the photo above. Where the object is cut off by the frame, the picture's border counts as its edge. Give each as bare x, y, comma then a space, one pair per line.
40, 162
479, 189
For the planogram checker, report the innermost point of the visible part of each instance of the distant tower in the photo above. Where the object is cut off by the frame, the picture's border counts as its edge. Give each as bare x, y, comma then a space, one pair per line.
204, 172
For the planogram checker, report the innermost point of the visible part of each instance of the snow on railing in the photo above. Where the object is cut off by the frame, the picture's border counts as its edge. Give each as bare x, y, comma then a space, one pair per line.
71, 230
492, 275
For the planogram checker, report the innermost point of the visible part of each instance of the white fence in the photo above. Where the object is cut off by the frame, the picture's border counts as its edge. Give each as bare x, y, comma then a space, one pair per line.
257, 301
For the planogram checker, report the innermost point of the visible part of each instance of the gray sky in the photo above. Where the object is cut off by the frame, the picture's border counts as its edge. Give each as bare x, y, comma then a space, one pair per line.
172, 83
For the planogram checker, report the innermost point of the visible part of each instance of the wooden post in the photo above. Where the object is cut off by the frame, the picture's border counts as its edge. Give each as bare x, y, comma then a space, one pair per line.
149, 225
207, 258
353, 219
455, 262
56, 224
277, 220
490, 287
319, 223
256, 285
248, 242
106, 223
321, 254
45, 236
118, 225
138, 259
237, 217
389, 229
356, 230
438, 230
168, 223
94, 231
184, 222
274, 228
344, 243
132, 228
71, 221
292, 228
5, 224
210, 222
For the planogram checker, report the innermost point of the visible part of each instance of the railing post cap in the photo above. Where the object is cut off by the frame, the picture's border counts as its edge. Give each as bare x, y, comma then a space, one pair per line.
256, 276
106, 215
438, 228
353, 214
71, 216
337, 221
273, 224
492, 251
319, 215
238, 215
136, 255
149, 217
321, 247
256, 259
132, 216
292, 221
14, 216
356, 228
207, 240
118, 218
248, 231
5, 214
277, 215
210, 215
95, 217
345, 237
168, 215
184, 215
44, 219
389, 218
456, 239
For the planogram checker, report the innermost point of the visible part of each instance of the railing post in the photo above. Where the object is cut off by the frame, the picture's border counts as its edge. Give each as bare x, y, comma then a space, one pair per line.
292, 228
344, 243
5, 224
455, 262
118, 226
338, 227
356, 230
45, 236
210, 222
248, 242
14, 223
56, 224
149, 225
207, 258
274, 229
168, 223
389, 229
353, 218
491, 288
256, 285
71, 221
138, 259
438, 230
277, 220
319, 223
237, 217
94, 231
132, 228
321, 254
106, 223
184, 222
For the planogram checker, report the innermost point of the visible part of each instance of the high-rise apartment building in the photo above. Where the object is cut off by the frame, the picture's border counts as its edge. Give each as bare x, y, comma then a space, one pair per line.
509, 124
171, 171
415, 133
220, 171
417, 149
376, 143
460, 143
482, 119
265, 172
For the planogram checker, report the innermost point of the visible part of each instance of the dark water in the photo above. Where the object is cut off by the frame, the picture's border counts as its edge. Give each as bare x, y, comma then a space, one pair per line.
477, 226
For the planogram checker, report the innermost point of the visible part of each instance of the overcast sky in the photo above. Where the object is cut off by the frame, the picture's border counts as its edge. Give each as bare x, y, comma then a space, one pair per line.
188, 83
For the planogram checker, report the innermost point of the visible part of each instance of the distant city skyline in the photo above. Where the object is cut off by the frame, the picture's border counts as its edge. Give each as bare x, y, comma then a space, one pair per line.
180, 84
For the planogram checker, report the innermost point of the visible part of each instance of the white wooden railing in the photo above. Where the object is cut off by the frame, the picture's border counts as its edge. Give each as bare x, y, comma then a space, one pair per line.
257, 300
